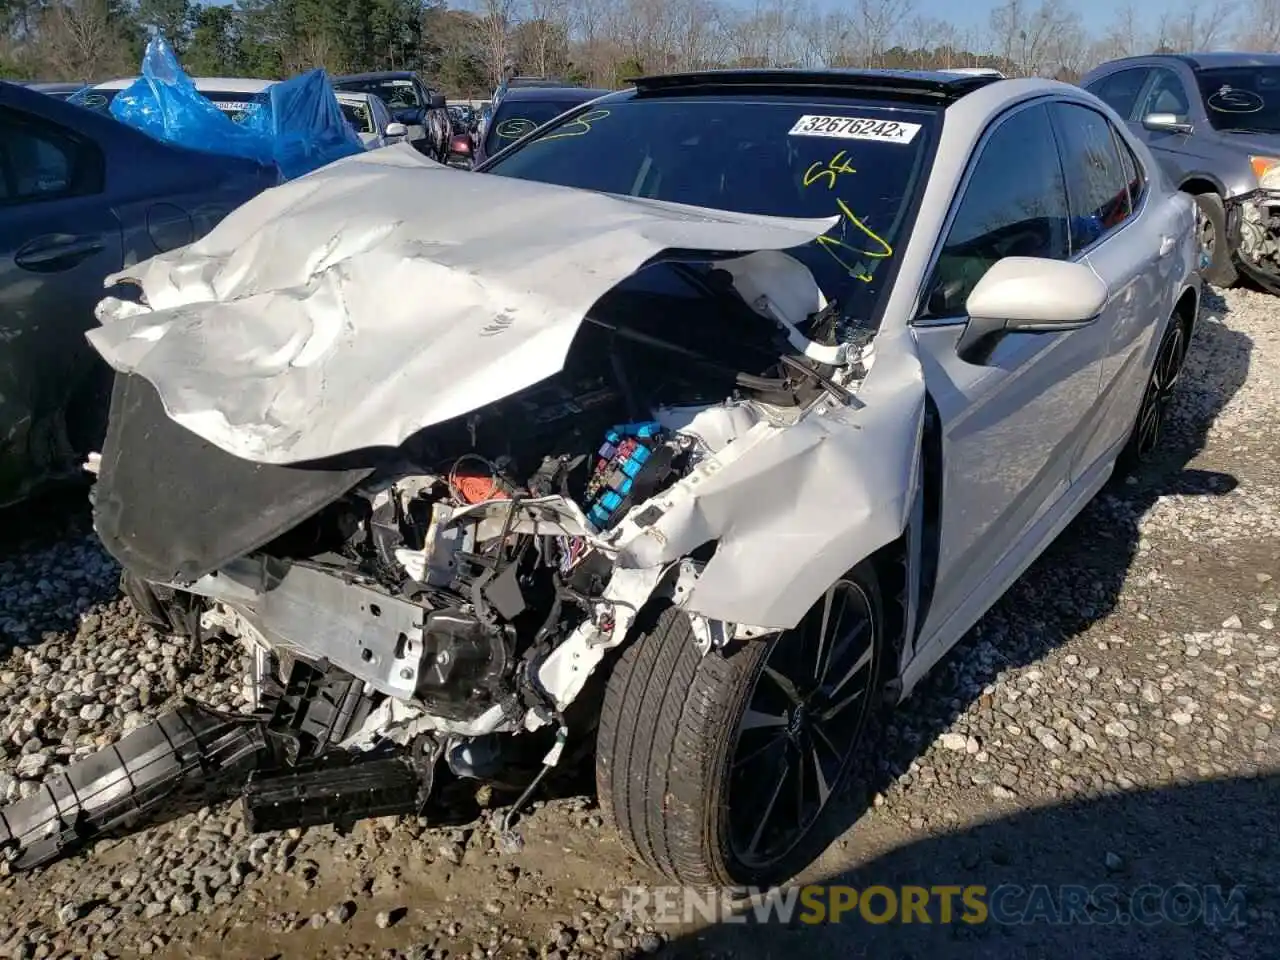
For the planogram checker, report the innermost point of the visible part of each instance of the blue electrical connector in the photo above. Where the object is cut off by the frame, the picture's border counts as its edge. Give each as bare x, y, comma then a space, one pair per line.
628, 447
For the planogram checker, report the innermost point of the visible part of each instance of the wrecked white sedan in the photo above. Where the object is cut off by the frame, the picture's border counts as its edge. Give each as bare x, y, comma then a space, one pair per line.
743, 398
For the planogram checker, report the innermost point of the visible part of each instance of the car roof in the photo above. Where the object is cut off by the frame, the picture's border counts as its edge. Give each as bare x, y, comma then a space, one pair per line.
376, 75
45, 86
1200, 61
210, 84
973, 71
937, 86
577, 94
518, 82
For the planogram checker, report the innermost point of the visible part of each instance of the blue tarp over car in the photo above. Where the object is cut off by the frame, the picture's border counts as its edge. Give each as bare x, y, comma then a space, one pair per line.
295, 124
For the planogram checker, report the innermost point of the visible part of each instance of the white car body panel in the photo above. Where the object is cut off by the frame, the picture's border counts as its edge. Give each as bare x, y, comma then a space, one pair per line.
292, 335
314, 350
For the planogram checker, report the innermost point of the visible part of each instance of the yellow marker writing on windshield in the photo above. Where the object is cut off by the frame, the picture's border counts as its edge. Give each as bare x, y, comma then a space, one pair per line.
835, 166
515, 129
576, 127
836, 246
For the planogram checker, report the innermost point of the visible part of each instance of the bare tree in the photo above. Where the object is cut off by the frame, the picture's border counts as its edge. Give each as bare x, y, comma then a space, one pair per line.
548, 29
1198, 25
698, 39
79, 39
1260, 29
877, 21
1124, 36
926, 38
1031, 39
495, 20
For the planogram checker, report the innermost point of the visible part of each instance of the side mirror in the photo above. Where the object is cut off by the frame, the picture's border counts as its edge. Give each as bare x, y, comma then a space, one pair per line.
435, 101
1034, 295
1166, 123
395, 130
1030, 295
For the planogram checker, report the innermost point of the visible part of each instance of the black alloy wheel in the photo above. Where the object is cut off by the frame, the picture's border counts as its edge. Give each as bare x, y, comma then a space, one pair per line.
803, 722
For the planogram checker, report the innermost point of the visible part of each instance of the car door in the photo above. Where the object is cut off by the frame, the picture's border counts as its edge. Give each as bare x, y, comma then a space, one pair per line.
420, 132
1166, 92
58, 239
1131, 241
1010, 408
381, 120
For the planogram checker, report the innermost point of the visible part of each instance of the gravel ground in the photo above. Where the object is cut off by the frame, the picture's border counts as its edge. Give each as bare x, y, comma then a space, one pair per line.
1112, 720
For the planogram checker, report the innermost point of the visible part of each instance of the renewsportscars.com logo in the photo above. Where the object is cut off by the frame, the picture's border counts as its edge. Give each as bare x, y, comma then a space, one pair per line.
972, 904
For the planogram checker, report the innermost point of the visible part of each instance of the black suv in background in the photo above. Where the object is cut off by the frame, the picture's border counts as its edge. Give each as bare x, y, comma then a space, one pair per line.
411, 102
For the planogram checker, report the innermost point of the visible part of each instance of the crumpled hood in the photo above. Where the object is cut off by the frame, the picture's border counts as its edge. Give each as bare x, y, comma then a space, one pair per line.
354, 306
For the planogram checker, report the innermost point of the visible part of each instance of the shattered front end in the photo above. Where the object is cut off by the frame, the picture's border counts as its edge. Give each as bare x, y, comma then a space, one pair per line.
1253, 225
428, 524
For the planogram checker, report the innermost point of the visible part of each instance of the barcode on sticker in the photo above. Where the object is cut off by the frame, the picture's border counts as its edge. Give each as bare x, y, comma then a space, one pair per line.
854, 128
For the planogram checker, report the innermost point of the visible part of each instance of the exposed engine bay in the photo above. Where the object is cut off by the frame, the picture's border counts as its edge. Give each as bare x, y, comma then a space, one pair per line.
1256, 222
406, 610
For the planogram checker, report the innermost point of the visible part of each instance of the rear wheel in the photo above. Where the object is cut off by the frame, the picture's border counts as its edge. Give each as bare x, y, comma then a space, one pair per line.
720, 769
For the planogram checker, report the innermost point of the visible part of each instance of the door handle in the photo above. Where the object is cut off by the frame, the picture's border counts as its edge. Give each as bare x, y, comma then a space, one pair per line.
57, 252
1167, 244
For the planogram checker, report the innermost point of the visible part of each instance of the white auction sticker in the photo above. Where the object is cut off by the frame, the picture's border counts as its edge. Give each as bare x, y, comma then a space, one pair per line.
854, 128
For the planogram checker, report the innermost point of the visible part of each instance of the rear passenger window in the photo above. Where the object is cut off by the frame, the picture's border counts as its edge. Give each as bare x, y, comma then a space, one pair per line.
1013, 205
1097, 187
41, 161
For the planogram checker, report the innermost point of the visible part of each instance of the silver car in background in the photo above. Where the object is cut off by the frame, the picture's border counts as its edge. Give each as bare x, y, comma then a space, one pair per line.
370, 119
1212, 120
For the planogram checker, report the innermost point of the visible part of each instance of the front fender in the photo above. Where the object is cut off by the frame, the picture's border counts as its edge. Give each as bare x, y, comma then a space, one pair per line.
793, 507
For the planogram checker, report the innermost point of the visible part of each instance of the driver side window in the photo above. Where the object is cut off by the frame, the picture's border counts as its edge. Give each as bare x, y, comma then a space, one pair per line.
1014, 204
1167, 95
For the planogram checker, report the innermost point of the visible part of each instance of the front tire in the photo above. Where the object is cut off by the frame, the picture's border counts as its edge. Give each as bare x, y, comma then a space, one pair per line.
1214, 239
718, 769
1148, 427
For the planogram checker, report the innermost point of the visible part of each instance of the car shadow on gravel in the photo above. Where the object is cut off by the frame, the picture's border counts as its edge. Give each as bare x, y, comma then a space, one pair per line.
1185, 871
57, 510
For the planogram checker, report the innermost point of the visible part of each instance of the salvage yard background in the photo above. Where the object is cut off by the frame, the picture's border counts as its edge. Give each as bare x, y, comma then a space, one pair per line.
1112, 720
466, 47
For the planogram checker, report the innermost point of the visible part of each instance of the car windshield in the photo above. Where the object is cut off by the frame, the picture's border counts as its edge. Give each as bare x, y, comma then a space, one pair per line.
91, 98
515, 118
1242, 98
357, 115
859, 162
397, 94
